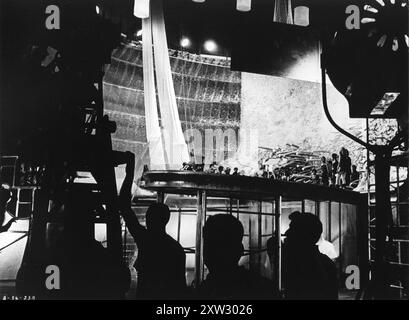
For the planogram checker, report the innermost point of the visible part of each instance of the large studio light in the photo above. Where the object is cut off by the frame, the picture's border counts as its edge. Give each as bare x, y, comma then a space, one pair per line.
210, 46
185, 42
243, 5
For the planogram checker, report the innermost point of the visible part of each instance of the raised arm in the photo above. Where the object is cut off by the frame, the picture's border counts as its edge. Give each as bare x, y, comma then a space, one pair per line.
137, 231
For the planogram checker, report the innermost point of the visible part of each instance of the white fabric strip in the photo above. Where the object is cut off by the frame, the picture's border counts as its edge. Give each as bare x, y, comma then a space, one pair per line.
153, 131
174, 141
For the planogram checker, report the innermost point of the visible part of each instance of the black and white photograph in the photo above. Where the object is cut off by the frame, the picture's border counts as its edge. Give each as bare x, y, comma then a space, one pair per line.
204, 158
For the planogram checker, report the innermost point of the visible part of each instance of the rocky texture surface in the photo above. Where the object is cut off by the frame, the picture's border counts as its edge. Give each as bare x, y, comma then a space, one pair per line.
287, 111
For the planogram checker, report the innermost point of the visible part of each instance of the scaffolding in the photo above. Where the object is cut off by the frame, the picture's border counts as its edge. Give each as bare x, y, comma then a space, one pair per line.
398, 240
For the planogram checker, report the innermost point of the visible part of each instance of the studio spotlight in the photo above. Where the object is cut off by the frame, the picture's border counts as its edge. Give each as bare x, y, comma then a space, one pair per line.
185, 42
210, 46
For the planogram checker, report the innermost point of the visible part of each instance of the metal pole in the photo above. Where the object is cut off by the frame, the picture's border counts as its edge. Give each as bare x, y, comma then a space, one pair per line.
340, 234
368, 186
259, 242
277, 262
179, 223
397, 197
201, 216
329, 222
161, 197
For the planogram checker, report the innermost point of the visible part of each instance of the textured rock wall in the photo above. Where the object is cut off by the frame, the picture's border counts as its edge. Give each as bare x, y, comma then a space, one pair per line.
290, 111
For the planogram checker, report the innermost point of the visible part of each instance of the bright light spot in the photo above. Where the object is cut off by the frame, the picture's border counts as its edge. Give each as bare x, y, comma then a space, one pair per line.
383, 105
97, 9
301, 16
392, 1
139, 33
185, 42
407, 40
395, 44
210, 46
5, 186
367, 20
370, 9
382, 40
381, 2
243, 5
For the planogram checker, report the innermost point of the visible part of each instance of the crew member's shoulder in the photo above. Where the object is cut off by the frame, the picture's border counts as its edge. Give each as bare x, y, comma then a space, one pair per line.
173, 243
327, 261
255, 279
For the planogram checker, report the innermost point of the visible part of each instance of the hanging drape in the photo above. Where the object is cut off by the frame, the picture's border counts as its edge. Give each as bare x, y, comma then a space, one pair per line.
175, 145
170, 137
153, 131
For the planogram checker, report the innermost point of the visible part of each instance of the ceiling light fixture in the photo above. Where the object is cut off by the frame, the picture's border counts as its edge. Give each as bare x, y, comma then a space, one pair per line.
210, 46
243, 5
141, 9
185, 42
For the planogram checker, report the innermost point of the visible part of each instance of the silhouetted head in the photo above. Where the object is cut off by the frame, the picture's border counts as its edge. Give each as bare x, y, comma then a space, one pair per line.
157, 217
334, 156
222, 246
323, 160
305, 229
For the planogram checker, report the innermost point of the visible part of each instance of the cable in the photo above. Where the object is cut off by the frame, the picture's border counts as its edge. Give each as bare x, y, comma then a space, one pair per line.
331, 120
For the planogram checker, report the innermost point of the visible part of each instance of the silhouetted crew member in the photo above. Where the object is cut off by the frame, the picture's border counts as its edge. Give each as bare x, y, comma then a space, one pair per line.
222, 249
307, 273
324, 172
334, 172
161, 259
354, 174
344, 167
88, 270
